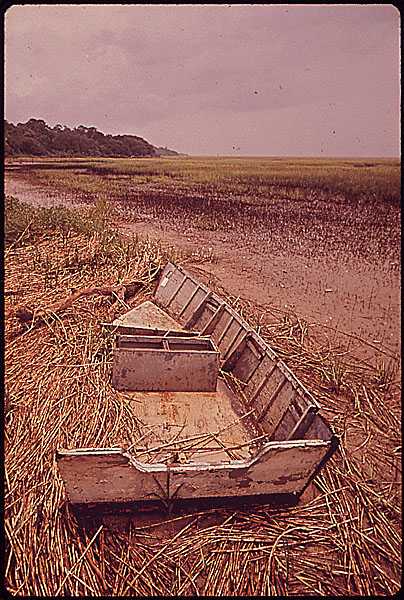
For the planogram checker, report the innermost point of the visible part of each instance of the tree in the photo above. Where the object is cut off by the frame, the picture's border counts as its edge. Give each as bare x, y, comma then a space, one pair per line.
35, 137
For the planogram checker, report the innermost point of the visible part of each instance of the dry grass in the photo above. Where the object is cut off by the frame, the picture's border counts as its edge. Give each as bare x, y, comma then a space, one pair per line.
346, 540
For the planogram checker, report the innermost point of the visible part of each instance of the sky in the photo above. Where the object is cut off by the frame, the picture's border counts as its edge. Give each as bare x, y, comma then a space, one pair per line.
219, 79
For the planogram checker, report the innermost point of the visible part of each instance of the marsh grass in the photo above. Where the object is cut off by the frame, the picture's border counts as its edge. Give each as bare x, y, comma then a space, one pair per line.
348, 208
255, 177
25, 223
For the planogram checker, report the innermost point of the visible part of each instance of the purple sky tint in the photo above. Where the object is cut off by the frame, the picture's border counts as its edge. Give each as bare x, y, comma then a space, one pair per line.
213, 79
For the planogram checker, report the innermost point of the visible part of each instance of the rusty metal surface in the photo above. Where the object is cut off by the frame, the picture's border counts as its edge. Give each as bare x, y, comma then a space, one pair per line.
148, 315
165, 364
282, 469
213, 420
113, 475
106, 475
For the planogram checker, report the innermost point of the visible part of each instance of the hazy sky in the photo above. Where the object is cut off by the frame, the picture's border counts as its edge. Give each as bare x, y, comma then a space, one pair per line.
213, 79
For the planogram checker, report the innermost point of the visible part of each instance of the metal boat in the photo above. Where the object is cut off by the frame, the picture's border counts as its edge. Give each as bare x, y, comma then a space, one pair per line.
233, 420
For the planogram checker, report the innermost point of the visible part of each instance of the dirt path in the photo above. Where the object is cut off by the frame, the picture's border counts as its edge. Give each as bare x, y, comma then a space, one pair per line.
357, 299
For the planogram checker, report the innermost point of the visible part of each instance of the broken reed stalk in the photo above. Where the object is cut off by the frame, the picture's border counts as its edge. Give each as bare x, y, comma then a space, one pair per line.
26, 314
344, 541
193, 443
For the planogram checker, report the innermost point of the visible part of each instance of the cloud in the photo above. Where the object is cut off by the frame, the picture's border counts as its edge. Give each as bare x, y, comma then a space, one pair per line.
201, 68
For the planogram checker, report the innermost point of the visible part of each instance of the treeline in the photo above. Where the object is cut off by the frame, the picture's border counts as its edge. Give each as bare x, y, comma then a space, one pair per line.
36, 138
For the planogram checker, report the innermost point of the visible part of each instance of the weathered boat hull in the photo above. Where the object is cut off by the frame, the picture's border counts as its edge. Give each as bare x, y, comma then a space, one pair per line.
272, 439
112, 475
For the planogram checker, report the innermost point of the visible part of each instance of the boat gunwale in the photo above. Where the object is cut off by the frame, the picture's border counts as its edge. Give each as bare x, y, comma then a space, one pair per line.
190, 465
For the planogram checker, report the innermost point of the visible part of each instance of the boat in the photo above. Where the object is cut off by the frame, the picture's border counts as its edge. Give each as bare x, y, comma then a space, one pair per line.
234, 421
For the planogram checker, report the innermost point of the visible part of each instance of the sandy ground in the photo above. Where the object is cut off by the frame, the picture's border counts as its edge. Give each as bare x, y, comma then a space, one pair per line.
360, 300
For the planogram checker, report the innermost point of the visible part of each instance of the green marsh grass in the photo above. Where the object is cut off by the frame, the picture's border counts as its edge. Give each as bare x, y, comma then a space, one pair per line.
345, 208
